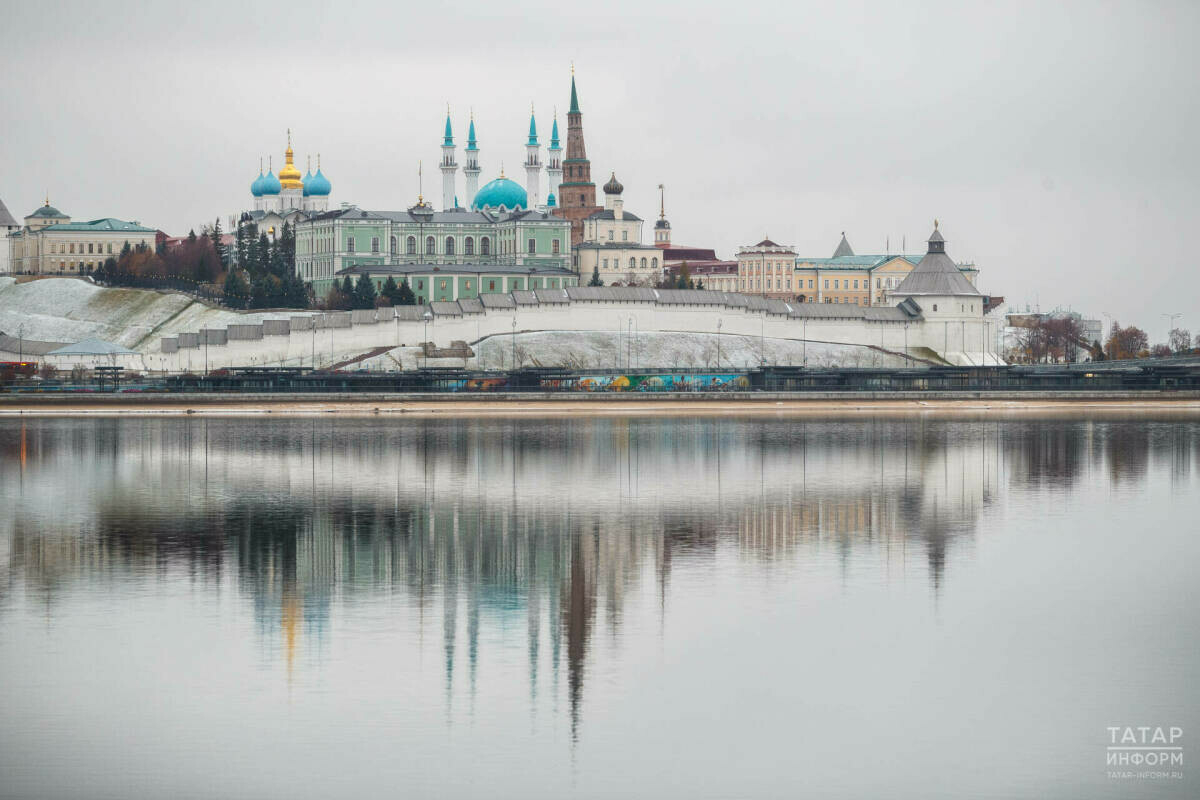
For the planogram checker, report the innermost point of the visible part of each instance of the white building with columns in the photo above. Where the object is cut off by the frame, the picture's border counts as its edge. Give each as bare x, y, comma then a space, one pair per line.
612, 244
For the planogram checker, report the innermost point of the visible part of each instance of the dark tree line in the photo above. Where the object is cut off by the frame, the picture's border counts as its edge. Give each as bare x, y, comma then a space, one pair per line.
266, 277
199, 260
362, 294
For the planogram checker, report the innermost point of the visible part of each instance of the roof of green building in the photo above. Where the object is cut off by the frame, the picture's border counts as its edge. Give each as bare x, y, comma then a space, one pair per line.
454, 269
48, 211
104, 224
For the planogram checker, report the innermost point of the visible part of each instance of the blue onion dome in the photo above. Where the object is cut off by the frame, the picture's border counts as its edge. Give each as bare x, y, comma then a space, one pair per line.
304, 182
271, 184
501, 193
318, 185
256, 187
552, 201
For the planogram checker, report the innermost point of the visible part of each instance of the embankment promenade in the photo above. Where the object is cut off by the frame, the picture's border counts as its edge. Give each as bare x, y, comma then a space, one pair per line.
608, 404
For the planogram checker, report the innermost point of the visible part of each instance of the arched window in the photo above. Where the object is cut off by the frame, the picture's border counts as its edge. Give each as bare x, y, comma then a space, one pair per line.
643, 263
449, 245
412, 245
633, 263
469, 246
654, 263
394, 245
485, 246
430, 247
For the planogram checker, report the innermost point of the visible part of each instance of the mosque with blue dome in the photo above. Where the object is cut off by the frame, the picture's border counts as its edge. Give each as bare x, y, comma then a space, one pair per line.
505, 238
287, 197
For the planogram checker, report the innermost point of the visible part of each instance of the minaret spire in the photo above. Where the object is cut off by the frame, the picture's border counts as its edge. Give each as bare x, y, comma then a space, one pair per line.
449, 166
533, 163
472, 168
554, 163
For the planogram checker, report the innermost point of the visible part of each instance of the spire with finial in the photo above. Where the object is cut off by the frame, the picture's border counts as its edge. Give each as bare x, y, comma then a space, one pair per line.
448, 140
662, 202
533, 140
501, 170
420, 183
574, 94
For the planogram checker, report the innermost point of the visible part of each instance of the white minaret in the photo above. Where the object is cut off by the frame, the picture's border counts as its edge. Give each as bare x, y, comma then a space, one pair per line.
554, 163
472, 169
533, 164
449, 166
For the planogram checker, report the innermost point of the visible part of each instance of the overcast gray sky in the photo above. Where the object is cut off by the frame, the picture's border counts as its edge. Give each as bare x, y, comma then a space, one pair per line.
1056, 142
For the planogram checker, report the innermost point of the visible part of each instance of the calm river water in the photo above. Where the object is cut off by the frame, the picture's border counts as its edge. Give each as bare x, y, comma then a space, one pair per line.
754, 608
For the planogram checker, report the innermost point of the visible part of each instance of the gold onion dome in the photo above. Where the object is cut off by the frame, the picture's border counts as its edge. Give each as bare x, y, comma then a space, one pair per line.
289, 176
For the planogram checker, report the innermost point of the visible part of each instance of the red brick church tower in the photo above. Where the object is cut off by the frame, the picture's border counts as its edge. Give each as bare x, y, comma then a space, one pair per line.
576, 194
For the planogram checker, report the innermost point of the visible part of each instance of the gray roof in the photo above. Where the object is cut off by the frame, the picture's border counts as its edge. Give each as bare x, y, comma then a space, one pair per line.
843, 248
452, 216
92, 347
611, 294
446, 309
609, 214
410, 313
935, 274
493, 300
6, 219
524, 297
454, 269
30, 347
551, 295
471, 305
615, 246
672, 297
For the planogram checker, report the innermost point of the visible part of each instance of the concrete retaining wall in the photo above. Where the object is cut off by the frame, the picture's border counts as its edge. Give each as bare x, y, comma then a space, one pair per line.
331, 337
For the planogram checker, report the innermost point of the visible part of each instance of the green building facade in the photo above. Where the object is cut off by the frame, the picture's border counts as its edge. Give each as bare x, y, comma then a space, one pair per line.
486, 244
449, 282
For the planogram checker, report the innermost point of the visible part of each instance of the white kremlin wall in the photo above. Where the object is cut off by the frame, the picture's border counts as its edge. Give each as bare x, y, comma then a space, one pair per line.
174, 333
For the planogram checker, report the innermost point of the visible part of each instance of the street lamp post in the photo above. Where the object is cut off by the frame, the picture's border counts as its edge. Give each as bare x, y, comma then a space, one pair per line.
514, 343
427, 316
629, 343
718, 342
1171, 324
762, 340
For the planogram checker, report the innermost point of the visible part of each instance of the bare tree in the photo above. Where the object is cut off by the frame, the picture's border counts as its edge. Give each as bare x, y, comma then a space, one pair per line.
1179, 340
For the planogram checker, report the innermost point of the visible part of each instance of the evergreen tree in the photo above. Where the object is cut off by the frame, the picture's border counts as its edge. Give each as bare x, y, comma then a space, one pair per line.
364, 292
262, 254
259, 293
218, 245
390, 290
296, 293
287, 248
236, 290
108, 271
192, 237
699, 284
595, 281
405, 296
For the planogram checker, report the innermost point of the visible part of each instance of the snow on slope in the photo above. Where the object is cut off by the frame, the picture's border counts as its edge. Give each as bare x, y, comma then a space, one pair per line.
609, 350
71, 309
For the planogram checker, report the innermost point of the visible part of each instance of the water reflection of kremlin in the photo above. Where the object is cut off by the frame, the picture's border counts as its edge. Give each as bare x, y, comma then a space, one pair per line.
537, 529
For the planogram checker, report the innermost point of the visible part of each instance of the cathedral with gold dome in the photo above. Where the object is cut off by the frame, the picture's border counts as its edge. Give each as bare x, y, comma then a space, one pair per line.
288, 197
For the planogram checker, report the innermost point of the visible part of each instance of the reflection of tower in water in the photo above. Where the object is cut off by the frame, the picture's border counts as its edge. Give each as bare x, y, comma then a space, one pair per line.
538, 531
